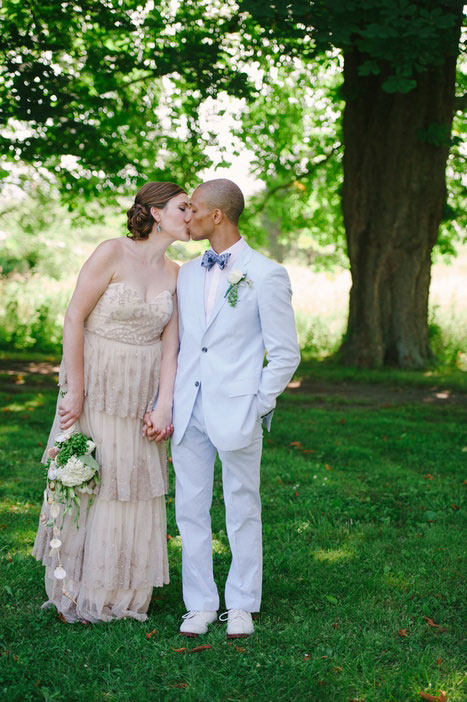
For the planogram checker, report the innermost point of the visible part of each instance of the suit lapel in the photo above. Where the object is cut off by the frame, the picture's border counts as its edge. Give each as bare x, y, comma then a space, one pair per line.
199, 275
241, 263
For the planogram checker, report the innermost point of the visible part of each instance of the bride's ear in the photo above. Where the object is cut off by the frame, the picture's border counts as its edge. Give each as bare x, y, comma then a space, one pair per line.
155, 213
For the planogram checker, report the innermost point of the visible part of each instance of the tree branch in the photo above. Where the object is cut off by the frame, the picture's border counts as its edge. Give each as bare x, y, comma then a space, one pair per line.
284, 186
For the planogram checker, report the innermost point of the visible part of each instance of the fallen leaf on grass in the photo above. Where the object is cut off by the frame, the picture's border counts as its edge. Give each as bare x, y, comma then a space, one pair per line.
342, 421
305, 451
455, 507
431, 623
428, 476
150, 634
327, 466
402, 632
9, 653
180, 685
332, 599
431, 698
296, 443
240, 649
438, 660
198, 649
307, 657
337, 669
179, 650
335, 625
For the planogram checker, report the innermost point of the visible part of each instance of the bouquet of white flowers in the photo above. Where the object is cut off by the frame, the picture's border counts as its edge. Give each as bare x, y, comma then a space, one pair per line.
71, 470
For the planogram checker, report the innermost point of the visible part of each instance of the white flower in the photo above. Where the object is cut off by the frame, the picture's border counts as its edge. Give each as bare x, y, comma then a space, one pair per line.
84, 490
64, 435
55, 543
235, 276
90, 446
60, 573
52, 472
54, 510
74, 472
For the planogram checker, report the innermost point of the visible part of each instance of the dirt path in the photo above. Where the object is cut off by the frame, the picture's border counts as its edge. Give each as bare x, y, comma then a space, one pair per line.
374, 394
19, 376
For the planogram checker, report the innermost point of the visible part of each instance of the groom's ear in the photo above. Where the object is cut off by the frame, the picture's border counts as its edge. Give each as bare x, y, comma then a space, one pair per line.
217, 215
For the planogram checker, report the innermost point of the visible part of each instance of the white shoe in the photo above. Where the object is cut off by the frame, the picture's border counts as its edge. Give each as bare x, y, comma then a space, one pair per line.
196, 622
239, 623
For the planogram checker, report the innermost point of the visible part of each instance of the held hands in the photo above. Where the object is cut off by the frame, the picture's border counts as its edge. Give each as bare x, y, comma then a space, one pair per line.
70, 408
157, 425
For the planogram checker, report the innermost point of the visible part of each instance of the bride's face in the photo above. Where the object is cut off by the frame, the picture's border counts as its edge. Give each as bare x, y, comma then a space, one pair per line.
172, 218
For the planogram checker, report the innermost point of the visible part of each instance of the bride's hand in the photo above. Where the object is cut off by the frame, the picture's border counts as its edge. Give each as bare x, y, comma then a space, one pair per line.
158, 425
70, 408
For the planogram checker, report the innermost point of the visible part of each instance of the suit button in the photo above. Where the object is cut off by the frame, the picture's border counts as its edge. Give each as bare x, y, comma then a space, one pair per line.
196, 383
204, 349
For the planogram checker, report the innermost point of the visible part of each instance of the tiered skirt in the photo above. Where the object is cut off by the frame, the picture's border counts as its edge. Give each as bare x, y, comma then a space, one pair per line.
117, 552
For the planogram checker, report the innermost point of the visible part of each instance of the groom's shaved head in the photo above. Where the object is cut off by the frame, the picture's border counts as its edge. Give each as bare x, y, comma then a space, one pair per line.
224, 195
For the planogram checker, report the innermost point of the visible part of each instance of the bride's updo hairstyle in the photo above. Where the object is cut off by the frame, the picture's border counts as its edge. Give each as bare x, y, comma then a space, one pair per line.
140, 219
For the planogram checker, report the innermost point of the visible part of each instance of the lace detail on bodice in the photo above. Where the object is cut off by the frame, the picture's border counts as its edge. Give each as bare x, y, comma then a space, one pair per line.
123, 315
122, 351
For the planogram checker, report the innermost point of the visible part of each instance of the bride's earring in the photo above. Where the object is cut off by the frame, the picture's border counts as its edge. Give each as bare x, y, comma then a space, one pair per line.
158, 226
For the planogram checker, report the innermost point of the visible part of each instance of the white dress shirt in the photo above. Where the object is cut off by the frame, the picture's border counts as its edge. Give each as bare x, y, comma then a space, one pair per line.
217, 278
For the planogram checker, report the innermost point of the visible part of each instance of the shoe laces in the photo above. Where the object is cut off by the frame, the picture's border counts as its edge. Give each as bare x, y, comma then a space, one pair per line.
235, 614
190, 614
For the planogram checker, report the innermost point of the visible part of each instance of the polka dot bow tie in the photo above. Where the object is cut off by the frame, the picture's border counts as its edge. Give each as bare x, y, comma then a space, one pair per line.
210, 258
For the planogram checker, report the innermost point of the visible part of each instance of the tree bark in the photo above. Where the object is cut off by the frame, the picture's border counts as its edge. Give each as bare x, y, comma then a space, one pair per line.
396, 147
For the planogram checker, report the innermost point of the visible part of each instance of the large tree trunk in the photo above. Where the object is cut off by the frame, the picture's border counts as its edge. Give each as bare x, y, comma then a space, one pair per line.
396, 147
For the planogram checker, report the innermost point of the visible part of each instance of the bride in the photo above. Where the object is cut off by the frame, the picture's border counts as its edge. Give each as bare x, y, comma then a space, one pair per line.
120, 344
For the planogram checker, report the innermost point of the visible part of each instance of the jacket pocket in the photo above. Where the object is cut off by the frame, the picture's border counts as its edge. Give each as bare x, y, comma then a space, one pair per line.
249, 386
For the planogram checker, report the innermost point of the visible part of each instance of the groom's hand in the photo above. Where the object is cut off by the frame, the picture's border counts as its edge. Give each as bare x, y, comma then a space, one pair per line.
158, 425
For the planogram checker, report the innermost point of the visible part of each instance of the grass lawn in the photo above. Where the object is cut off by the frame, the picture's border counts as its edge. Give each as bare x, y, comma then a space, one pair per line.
363, 563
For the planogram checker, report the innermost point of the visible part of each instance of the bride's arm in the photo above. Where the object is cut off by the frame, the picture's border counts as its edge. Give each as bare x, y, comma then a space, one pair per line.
158, 426
93, 279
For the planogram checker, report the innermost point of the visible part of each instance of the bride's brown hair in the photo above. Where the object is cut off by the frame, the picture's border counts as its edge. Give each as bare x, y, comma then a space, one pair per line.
140, 219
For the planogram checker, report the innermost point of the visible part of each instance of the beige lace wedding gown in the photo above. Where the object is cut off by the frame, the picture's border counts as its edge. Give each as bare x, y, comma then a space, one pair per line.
119, 552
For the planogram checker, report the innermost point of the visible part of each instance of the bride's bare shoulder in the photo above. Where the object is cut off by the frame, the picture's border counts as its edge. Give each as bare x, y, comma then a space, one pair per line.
111, 248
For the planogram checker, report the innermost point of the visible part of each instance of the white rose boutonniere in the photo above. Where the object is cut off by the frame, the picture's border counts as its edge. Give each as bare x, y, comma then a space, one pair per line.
236, 278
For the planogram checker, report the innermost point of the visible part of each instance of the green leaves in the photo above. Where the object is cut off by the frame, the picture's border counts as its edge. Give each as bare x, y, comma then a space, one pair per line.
399, 84
89, 461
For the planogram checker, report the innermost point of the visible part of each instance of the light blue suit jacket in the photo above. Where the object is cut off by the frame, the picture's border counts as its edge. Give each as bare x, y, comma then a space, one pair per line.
225, 356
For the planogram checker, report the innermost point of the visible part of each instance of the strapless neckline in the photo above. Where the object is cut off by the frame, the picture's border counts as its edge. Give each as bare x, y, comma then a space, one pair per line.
138, 294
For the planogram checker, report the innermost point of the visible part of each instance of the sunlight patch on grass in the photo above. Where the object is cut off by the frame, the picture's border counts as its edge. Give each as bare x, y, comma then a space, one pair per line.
332, 556
175, 544
27, 406
15, 507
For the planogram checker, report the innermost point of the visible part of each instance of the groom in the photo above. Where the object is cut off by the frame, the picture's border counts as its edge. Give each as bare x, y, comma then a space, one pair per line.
234, 305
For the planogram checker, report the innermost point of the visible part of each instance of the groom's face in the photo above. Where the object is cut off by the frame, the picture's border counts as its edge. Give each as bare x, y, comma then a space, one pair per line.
199, 217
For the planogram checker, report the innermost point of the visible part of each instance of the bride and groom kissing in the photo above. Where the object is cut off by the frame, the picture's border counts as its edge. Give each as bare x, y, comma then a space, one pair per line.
153, 351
